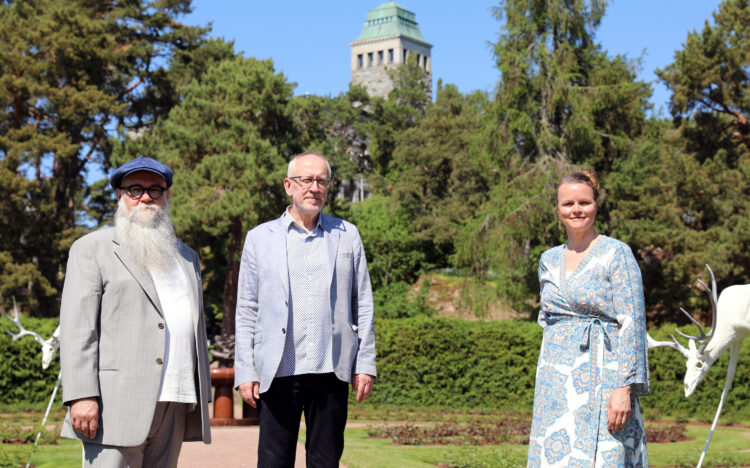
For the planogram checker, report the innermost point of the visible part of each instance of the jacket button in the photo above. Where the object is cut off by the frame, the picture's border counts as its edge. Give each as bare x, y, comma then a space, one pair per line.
159, 361
161, 325
283, 330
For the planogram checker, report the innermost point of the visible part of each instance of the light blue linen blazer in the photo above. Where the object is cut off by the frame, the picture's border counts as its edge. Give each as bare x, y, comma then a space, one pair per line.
263, 303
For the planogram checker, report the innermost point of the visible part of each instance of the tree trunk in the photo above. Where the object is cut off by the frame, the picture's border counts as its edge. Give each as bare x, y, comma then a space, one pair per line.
233, 273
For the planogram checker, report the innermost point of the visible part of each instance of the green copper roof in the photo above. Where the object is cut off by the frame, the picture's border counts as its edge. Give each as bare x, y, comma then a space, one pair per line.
390, 19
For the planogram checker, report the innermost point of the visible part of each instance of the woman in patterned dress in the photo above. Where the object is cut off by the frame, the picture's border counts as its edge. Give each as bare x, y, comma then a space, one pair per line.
593, 364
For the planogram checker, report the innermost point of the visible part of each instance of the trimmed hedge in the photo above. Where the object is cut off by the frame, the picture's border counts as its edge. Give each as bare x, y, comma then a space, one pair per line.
426, 361
22, 379
449, 363
491, 365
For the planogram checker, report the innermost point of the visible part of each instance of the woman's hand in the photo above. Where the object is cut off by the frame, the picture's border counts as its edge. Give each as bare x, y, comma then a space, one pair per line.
618, 411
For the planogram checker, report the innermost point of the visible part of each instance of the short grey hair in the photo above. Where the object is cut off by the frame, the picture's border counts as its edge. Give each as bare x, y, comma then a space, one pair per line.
290, 168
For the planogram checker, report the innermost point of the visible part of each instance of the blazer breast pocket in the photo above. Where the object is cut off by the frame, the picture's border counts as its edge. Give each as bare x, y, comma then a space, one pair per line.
344, 262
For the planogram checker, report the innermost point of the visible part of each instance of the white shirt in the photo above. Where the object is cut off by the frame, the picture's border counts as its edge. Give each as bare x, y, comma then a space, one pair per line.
178, 371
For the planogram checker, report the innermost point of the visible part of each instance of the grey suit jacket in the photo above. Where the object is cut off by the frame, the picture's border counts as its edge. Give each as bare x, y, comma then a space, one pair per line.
112, 339
263, 303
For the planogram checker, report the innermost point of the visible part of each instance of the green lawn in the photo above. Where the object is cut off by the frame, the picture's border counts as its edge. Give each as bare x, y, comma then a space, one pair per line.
64, 454
729, 447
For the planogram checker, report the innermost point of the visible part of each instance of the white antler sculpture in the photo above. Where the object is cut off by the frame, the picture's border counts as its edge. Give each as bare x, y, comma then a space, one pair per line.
49, 346
730, 324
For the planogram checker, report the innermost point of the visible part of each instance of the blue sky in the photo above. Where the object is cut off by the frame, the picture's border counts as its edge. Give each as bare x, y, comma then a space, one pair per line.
309, 41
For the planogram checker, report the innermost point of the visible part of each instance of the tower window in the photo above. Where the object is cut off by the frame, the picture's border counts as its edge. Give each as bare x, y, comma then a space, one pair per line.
404, 56
419, 60
369, 59
390, 55
380, 57
359, 61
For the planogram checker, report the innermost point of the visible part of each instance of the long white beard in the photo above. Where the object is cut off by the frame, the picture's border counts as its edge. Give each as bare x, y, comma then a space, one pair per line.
148, 234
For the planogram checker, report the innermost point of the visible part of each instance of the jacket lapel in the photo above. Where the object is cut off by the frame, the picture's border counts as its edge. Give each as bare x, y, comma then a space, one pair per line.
140, 274
278, 250
332, 243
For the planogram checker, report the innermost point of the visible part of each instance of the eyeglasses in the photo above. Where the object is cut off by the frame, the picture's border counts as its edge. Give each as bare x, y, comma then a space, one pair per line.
136, 191
306, 182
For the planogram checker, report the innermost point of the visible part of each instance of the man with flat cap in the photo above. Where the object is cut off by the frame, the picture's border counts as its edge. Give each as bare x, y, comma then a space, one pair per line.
133, 338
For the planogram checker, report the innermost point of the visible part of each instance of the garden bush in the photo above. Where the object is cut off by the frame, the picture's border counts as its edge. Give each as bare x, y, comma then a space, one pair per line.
425, 361
22, 379
439, 362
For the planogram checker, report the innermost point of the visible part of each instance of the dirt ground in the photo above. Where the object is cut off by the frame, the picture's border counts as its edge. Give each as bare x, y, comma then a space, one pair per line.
456, 297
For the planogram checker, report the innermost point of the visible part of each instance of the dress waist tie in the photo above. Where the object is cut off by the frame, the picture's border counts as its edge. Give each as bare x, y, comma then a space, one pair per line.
594, 325
594, 354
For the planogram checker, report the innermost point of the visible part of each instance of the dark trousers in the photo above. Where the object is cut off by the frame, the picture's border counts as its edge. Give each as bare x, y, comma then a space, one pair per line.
323, 400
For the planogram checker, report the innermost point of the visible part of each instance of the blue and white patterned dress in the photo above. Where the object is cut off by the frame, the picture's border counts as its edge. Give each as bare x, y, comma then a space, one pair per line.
594, 341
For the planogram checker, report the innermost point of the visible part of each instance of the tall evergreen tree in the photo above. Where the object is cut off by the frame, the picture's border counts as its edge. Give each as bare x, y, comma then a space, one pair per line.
69, 71
561, 102
438, 173
228, 142
710, 81
683, 200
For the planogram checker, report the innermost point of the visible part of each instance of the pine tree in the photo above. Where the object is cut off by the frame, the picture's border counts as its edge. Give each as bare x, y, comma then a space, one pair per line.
683, 201
69, 71
561, 103
438, 175
228, 142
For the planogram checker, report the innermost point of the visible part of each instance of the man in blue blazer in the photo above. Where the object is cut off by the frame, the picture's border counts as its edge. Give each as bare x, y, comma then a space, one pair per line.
304, 322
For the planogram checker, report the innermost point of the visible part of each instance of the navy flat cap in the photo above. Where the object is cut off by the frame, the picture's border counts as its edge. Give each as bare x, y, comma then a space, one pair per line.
141, 164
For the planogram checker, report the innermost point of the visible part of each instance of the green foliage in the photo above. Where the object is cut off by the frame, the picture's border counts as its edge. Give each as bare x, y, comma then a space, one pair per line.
13, 458
69, 71
441, 362
226, 141
710, 76
469, 457
678, 214
681, 200
562, 102
393, 254
425, 361
22, 378
667, 391
438, 175
397, 300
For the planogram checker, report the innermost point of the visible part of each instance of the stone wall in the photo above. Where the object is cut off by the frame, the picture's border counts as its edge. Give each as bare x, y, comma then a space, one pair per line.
372, 58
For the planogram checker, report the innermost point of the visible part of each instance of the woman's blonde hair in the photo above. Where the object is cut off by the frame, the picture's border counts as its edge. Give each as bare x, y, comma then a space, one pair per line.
582, 176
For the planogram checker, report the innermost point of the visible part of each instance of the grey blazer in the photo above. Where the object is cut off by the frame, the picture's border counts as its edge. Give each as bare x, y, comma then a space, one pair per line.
263, 303
112, 339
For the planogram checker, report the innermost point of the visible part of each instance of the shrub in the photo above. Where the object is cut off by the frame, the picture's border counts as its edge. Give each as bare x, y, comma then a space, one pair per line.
22, 379
439, 362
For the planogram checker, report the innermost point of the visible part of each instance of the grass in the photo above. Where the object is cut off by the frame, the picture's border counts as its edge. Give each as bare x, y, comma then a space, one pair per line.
362, 451
63, 454
729, 446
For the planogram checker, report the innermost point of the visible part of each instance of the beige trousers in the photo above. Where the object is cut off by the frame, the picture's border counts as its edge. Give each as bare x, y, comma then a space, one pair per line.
161, 448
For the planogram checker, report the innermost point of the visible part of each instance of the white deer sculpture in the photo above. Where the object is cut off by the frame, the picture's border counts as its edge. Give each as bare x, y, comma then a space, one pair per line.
730, 324
49, 350
49, 346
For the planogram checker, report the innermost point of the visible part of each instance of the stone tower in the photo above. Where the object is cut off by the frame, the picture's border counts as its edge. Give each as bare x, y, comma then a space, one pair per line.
390, 36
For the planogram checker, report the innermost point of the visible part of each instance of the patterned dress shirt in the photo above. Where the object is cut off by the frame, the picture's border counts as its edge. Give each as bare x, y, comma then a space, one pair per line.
309, 347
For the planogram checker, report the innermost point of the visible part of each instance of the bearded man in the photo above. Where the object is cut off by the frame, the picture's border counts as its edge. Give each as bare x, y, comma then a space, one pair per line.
133, 337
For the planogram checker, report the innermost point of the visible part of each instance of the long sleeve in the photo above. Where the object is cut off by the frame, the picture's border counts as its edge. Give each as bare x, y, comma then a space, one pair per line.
542, 318
246, 316
79, 329
630, 312
363, 302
